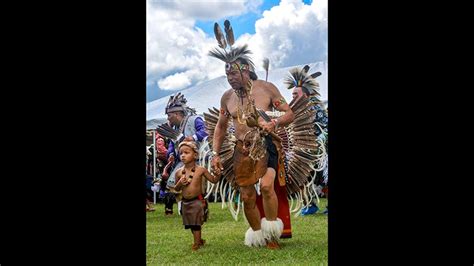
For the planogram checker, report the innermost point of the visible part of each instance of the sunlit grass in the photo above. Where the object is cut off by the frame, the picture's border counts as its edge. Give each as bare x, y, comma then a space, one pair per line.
169, 243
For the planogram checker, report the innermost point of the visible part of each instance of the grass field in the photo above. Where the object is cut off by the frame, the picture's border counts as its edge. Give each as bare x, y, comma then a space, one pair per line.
169, 243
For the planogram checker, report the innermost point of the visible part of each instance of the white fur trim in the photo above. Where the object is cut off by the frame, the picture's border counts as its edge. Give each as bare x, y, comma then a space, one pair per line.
272, 229
254, 238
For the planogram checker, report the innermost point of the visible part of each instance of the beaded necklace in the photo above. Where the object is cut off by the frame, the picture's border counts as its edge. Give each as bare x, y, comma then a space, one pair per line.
191, 175
244, 112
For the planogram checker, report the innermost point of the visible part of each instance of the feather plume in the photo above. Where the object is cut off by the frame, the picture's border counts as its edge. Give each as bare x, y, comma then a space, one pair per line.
234, 54
219, 36
266, 64
316, 74
300, 78
264, 115
229, 33
305, 69
166, 131
296, 76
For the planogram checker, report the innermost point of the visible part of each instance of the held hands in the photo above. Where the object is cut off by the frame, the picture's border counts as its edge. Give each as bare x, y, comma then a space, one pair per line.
269, 128
217, 167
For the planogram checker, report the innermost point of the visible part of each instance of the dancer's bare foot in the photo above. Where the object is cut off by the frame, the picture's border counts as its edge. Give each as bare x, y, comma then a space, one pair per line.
195, 246
273, 245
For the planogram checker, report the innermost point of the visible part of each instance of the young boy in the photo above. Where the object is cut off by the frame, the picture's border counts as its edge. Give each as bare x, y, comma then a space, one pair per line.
194, 207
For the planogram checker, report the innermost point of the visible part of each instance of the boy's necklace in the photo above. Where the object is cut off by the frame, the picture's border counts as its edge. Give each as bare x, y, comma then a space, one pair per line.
192, 172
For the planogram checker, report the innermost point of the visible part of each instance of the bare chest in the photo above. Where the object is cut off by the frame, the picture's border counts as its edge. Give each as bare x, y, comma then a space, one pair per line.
237, 105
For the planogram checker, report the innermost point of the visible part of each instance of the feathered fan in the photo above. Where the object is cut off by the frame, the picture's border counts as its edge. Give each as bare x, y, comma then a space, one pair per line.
167, 131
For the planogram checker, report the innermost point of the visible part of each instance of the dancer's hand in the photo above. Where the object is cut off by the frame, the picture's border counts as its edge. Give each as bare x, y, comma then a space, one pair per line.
216, 164
267, 126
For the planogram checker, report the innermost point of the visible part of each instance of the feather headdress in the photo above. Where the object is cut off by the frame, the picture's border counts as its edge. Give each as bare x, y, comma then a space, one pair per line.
178, 103
229, 54
299, 77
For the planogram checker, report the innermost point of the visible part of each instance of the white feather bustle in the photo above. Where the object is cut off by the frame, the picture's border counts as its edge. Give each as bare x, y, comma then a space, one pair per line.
272, 229
254, 238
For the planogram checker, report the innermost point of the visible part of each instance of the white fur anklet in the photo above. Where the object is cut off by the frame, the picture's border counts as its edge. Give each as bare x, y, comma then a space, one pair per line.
254, 238
272, 229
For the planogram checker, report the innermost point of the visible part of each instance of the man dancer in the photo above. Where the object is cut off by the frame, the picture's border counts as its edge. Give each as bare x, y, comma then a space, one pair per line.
256, 158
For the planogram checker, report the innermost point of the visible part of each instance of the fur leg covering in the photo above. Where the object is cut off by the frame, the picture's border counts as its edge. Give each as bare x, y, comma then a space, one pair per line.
272, 229
254, 238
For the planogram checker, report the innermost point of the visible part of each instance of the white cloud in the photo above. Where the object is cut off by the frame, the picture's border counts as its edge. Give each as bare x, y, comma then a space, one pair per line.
207, 9
175, 45
193, 76
175, 82
292, 33
289, 34
253, 5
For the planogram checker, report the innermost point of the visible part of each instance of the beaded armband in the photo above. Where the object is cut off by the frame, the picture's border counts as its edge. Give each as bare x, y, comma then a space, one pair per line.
279, 102
225, 113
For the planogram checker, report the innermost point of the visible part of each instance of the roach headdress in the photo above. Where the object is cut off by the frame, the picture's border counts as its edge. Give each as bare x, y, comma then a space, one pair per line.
299, 77
229, 54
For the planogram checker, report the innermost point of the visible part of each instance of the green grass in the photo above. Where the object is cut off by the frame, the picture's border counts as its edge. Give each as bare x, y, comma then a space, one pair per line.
169, 243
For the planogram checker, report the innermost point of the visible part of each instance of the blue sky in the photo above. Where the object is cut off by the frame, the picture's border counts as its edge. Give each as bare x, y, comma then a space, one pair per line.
246, 22
180, 33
